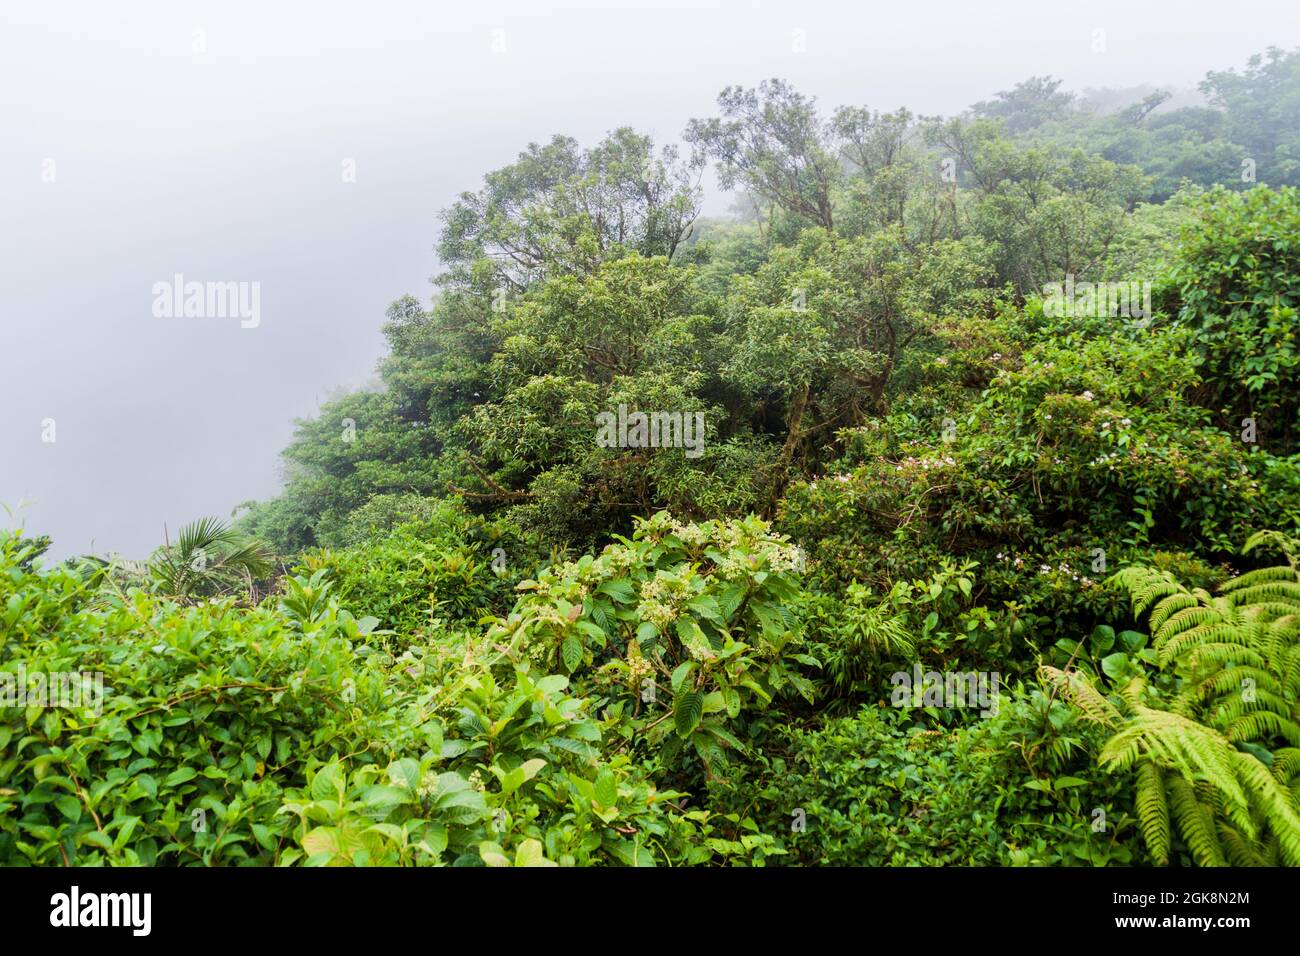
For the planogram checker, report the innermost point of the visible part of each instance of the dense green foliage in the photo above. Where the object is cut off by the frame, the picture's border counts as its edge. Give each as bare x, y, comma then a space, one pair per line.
915, 558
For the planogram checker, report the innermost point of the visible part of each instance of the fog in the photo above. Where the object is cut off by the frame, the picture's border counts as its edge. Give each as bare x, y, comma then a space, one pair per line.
139, 141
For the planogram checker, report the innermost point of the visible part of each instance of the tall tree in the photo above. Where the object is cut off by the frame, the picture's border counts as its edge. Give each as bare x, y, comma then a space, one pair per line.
560, 209
772, 141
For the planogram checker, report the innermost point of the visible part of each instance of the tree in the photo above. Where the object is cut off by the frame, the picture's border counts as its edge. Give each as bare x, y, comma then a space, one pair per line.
772, 141
1262, 112
1028, 104
208, 558
560, 209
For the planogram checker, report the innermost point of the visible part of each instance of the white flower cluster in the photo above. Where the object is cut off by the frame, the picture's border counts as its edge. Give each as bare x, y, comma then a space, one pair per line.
786, 557
690, 534
925, 464
661, 598
1066, 570
620, 559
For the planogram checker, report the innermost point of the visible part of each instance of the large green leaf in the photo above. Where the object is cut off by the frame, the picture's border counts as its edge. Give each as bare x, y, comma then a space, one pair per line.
606, 790
688, 706
571, 653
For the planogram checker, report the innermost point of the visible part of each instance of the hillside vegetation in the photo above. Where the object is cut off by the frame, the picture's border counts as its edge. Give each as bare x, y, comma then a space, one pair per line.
939, 507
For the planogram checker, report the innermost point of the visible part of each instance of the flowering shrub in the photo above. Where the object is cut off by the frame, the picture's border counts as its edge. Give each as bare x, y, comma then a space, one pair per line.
687, 627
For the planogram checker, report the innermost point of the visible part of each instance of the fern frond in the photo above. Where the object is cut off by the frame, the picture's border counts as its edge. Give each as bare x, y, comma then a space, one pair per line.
1262, 725
1221, 633
1270, 611
1230, 680
1176, 743
1153, 812
1231, 709
1282, 592
1237, 849
1258, 576
1183, 620
1274, 804
1288, 667
1170, 606
1207, 657
1286, 764
1079, 691
1279, 540
1277, 635
1146, 585
1195, 823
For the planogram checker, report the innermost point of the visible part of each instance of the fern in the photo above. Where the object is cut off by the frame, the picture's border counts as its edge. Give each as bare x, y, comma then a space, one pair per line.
1153, 812
1195, 822
1235, 657
1075, 688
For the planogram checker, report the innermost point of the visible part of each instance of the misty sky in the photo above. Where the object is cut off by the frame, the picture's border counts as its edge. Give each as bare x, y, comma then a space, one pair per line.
127, 157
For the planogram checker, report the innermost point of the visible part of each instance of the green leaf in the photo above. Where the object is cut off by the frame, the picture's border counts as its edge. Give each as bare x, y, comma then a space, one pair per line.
688, 706
492, 854
707, 608
464, 806
512, 781
324, 842
70, 807
606, 791
95, 838
405, 773
328, 784
180, 776
680, 674
1132, 641
384, 796
1255, 750
693, 639
620, 590
1115, 665
571, 653
530, 854
731, 698
553, 683
1102, 639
